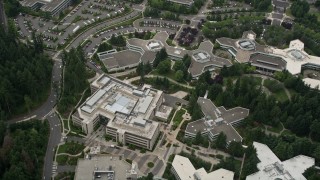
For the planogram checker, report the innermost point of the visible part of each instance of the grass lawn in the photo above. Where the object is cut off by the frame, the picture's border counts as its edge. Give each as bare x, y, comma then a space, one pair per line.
277, 89
281, 95
65, 123
173, 88
171, 115
287, 132
257, 80
169, 42
178, 118
128, 76
66, 160
276, 129
170, 75
288, 12
71, 148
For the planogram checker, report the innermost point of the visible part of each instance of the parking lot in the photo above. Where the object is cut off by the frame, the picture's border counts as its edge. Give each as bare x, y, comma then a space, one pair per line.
141, 160
86, 13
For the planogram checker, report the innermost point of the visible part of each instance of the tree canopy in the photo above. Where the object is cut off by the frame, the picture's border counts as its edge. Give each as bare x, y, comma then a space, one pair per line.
25, 75
299, 8
23, 150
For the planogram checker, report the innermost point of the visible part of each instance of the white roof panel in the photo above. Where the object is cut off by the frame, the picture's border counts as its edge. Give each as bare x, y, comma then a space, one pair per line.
95, 97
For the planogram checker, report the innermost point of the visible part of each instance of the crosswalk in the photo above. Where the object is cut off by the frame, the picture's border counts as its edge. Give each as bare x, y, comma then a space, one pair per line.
54, 169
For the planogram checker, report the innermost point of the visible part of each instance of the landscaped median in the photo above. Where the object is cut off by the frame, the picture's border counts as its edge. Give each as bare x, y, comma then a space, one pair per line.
178, 118
69, 153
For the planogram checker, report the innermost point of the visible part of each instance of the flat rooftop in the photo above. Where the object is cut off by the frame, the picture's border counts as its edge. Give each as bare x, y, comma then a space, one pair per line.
119, 59
313, 83
295, 57
270, 166
126, 106
217, 120
243, 48
48, 5
186, 171
267, 61
102, 168
203, 58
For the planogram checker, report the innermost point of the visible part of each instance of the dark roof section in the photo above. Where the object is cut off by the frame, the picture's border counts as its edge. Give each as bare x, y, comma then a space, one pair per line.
269, 62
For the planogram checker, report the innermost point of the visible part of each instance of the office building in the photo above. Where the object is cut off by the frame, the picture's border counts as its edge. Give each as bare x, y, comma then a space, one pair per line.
269, 59
183, 169
216, 120
127, 110
270, 166
105, 167
54, 7
139, 50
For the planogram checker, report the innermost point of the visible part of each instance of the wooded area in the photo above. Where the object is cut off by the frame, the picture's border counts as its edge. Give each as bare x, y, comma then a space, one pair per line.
23, 150
25, 74
75, 79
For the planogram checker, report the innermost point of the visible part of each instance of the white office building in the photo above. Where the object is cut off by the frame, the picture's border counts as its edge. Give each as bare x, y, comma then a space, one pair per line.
183, 169
128, 111
54, 7
270, 166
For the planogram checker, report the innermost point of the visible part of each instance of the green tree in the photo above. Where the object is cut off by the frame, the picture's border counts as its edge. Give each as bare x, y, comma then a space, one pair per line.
147, 67
179, 76
299, 8
28, 102
221, 141
235, 149
317, 3
160, 56
164, 67
140, 68
198, 139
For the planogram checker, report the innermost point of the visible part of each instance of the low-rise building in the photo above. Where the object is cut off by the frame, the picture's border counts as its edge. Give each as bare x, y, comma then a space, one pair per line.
269, 59
127, 110
216, 120
54, 7
105, 167
270, 166
183, 169
139, 50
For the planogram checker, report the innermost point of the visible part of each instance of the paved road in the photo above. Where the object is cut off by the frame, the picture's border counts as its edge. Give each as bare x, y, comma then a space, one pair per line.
93, 30
46, 107
61, 169
54, 140
46, 111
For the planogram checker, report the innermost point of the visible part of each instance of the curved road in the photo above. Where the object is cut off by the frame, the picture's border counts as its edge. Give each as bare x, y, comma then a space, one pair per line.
46, 111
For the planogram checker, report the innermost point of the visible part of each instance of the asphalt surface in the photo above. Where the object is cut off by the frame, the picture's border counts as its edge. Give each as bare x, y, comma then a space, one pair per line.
172, 101
54, 140
45, 111
92, 31
48, 105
